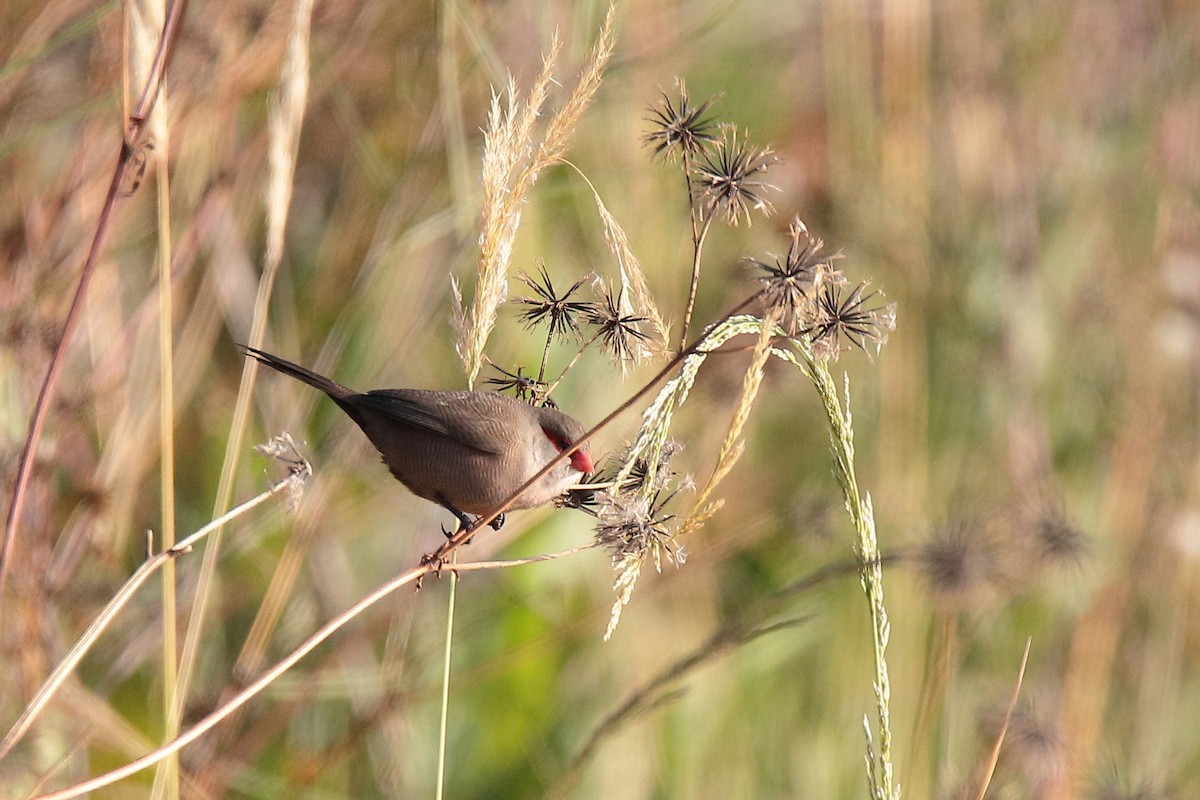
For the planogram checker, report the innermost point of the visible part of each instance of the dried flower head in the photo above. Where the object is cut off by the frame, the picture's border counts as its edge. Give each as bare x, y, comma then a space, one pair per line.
1055, 539
521, 385
790, 284
1112, 786
548, 305
283, 449
634, 526
618, 328
728, 178
650, 472
961, 565
848, 316
679, 128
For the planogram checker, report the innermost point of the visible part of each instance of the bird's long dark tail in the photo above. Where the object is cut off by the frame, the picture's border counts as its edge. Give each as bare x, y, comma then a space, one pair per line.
331, 388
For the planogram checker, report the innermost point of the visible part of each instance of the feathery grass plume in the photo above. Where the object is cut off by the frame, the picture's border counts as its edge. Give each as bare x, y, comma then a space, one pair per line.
787, 284
680, 130
512, 163
728, 178
880, 766
563, 123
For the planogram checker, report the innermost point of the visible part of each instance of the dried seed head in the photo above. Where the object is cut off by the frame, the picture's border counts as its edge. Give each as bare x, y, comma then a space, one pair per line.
728, 177
619, 329
1055, 539
635, 527
961, 565
839, 316
559, 310
521, 385
790, 284
679, 129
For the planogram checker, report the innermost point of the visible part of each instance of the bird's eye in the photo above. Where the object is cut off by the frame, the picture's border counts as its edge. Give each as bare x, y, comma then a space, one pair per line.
556, 439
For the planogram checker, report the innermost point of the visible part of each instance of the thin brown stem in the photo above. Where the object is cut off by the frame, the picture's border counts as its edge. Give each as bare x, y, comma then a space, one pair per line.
545, 354
143, 573
697, 251
571, 363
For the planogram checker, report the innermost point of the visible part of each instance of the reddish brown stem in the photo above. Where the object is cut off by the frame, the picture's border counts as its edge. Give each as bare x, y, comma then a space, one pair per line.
129, 143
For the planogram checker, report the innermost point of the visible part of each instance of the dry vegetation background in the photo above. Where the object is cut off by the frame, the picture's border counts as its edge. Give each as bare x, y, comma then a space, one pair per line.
1022, 178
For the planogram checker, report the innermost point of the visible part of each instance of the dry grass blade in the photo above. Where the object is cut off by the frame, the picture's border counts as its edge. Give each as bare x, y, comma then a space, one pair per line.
284, 121
563, 124
994, 756
119, 600
633, 278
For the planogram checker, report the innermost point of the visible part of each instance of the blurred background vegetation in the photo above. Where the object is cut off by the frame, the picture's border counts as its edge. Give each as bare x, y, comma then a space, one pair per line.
1021, 177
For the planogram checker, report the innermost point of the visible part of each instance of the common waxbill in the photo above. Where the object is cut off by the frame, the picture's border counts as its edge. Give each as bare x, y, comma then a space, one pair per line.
466, 451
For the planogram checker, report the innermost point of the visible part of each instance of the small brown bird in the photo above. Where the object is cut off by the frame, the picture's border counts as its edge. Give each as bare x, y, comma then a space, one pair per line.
466, 451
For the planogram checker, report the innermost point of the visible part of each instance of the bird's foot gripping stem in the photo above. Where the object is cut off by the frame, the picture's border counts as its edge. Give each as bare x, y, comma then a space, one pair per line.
465, 520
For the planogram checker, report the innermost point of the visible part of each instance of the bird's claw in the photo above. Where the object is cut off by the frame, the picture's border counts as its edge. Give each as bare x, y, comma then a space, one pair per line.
434, 561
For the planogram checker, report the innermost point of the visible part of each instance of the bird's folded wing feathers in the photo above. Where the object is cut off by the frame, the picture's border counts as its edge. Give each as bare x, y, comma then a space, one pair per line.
476, 414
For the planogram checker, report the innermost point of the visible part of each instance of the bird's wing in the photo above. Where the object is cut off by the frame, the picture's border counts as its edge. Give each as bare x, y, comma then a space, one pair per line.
470, 418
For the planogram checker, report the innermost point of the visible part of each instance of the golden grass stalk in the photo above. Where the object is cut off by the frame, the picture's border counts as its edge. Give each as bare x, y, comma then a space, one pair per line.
989, 767
284, 122
144, 21
633, 278
512, 163
732, 446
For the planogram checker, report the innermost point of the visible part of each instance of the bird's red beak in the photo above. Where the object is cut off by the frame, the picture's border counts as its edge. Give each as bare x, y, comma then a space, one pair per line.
581, 461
